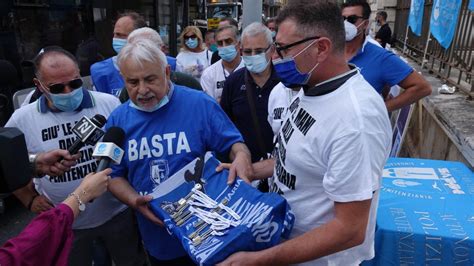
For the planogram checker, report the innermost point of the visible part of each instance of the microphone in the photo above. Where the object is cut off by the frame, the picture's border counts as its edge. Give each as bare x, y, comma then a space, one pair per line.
109, 149
88, 131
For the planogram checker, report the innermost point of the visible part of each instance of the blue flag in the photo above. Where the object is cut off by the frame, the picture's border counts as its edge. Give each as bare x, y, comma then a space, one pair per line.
415, 18
443, 20
471, 5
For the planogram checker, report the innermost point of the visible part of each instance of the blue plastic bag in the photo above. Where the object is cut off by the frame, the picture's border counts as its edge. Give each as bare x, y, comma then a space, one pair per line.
264, 218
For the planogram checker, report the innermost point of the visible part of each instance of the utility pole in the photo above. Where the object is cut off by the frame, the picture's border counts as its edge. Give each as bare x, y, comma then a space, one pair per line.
173, 36
252, 12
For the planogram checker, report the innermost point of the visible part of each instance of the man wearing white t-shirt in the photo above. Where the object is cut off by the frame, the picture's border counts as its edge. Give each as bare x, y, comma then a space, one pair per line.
47, 125
278, 102
228, 46
331, 147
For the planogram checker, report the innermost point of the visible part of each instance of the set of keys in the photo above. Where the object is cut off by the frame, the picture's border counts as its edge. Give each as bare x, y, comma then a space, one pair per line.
210, 214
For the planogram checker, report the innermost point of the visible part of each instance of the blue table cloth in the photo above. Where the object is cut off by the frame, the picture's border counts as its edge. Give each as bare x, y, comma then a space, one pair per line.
425, 214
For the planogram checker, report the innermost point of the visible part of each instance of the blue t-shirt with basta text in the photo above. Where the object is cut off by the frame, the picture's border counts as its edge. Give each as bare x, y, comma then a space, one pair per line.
380, 67
159, 143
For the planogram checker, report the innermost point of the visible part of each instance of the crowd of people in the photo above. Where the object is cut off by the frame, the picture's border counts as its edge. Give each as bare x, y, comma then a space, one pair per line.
290, 102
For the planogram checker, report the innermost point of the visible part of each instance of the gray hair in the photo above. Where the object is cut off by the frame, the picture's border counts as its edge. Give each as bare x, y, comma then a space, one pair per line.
142, 50
234, 30
145, 33
257, 28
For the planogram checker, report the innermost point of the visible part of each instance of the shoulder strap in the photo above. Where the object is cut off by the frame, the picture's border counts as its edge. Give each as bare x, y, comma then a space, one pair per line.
253, 112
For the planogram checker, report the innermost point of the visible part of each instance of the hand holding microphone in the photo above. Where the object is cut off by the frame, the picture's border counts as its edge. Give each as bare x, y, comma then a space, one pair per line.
88, 132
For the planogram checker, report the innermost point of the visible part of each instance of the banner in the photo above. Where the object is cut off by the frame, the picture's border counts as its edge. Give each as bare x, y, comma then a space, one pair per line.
415, 18
443, 20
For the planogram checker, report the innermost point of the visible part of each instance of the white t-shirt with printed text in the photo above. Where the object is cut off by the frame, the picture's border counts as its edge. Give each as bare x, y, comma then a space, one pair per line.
332, 148
52, 130
278, 102
213, 79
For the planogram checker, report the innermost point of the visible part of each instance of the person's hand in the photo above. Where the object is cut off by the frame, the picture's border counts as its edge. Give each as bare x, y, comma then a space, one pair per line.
242, 167
93, 185
241, 258
47, 162
40, 204
223, 166
141, 204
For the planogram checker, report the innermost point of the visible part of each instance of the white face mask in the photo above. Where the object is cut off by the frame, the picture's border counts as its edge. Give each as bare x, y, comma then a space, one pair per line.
351, 30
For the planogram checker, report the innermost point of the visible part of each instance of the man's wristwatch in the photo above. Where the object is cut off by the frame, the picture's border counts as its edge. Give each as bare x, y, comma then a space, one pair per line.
32, 159
82, 206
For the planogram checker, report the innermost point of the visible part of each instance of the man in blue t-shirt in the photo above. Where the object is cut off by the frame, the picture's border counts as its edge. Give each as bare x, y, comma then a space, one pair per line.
166, 127
381, 68
105, 74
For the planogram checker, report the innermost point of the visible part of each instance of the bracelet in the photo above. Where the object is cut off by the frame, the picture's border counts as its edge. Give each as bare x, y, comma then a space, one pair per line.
31, 201
82, 206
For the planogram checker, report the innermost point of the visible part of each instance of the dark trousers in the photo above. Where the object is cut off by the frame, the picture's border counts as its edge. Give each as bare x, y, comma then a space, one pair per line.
181, 261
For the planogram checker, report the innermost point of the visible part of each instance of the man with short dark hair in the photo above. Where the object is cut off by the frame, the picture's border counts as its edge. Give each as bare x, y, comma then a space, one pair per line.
381, 68
224, 22
384, 35
105, 74
47, 125
271, 25
335, 116
228, 47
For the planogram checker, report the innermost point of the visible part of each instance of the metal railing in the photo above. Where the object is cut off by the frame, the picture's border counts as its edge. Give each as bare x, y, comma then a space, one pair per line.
453, 65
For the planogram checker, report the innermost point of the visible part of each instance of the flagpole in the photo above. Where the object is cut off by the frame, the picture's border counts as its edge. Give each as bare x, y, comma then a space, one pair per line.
428, 40
406, 39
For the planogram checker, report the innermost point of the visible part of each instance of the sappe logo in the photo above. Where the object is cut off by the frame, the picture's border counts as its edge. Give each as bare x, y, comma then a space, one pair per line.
101, 147
117, 153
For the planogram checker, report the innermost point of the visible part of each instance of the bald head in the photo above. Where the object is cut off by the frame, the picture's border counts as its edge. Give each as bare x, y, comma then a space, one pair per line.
53, 58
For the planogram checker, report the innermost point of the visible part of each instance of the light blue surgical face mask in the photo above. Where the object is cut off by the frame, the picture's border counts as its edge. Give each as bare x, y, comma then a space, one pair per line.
162, 103
213, 47
274, 34
118, 44
192, 43
256, 63
227, 53
288, 72
67, 102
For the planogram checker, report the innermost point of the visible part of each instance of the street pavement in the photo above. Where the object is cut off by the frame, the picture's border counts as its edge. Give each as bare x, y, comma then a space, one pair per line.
14, 219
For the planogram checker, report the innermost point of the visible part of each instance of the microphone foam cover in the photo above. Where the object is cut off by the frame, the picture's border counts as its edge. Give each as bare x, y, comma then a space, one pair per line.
115, 135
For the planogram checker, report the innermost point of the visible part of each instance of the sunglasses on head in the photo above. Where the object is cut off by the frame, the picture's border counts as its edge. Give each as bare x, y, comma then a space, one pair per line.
59, 87
190, 37
352, 18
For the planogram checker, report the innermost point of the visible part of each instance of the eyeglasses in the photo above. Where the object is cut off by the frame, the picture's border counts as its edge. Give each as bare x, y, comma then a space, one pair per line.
59, 87
190, 37
352, 18
255, 51
279, 48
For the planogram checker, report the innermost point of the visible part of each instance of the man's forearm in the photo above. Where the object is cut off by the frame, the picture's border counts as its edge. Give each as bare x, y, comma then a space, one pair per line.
263, 169
239, 147
404, 99
122, 190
